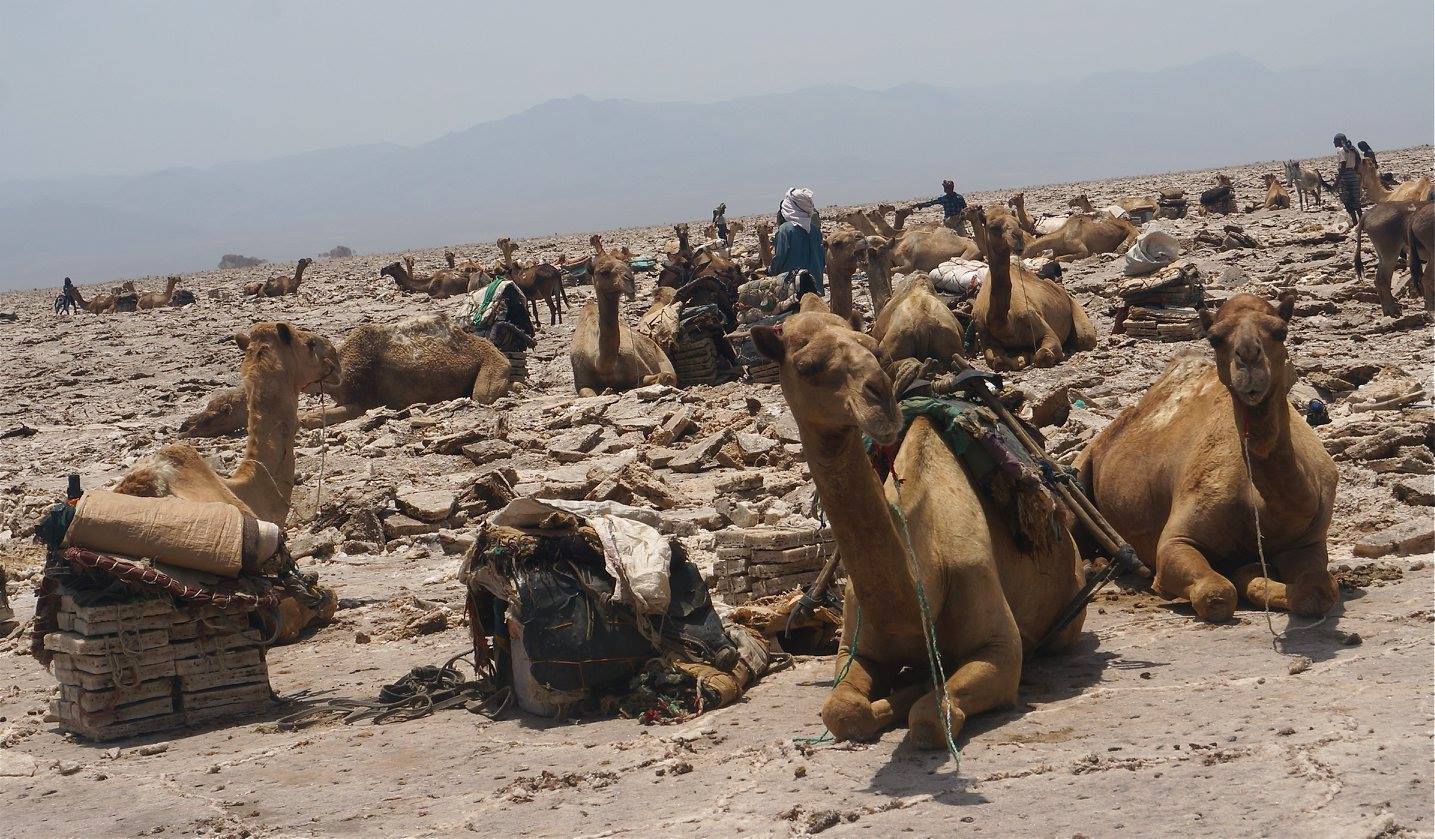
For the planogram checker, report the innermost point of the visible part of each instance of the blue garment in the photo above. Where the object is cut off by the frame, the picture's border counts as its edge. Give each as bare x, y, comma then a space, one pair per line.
952, 204
794, 248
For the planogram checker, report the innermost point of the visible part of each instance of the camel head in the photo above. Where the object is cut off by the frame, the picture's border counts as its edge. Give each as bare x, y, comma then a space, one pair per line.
845, 247
395, 271
879, 251
597, 242
1268, 179
1248, 335
226, 413
451, 258
1223, 180
899, 218
612, 275
762, 227
1081, 202
306, 262
830, 373
170, 283
1018, 199
302, 357
1002, 233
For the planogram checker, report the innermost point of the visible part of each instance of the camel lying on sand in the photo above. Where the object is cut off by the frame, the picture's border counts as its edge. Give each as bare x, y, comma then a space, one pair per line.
478, 276
990, 601
1023, 319
1395, 228
1376, 191
606, 354
1170, 475
157, 299
925, 246
1082, 235
535, 281
280, 360
1137, 210
279, 284
102, 303
916, 324
423, 359
439, 285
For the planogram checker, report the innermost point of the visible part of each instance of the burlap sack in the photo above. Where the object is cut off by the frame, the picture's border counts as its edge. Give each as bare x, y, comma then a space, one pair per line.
205, 536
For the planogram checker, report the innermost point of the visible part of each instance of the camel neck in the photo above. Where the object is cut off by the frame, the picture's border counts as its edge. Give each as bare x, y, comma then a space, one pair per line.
609, 331
266, 475
873, 552
839, 277
1266, 428
1021, 218
999, 280
764, 248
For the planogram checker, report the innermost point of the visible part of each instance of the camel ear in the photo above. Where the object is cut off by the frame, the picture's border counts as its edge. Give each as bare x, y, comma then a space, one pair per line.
242, 339
769, 342
284, 334
856, 321
1287, 305
627, 254
813, 303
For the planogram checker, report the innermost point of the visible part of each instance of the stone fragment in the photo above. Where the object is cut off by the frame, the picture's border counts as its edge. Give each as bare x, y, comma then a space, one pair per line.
673, 427
430, 505
399, 525
1411, 537
487, 451
700, 455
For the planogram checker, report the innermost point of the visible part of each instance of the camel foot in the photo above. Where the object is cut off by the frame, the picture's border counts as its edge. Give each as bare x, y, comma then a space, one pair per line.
1214, 599
1312, 596
849, 716
1044, 358
924, 723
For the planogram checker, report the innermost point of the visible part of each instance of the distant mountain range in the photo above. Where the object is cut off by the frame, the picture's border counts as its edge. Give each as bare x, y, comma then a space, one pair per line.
572, 165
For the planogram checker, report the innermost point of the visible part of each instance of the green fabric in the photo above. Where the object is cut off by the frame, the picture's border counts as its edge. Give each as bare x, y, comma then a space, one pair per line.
954, 420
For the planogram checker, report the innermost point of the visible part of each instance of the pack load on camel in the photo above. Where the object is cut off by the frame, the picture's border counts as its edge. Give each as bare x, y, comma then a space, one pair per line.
767, 301
154, 613
585, 608
693, 335
1220, 199
1165, 306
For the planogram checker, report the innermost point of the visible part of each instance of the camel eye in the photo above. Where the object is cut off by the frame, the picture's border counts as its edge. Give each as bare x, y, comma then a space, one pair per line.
1279, 333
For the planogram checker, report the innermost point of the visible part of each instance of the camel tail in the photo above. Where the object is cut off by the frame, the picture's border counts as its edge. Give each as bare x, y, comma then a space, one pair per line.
1359, 267
1327, 185
1412, 250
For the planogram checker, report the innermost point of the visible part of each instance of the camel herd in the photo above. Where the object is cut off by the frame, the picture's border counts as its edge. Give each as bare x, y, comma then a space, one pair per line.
1221, 488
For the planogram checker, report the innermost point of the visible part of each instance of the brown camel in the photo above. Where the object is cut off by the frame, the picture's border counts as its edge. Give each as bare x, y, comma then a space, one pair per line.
764, 243
439, 285
606, 354
1376, 191
279, 361
1277, 198
1395, 228
1171, 476
157, 299
1018, 204
1083, 235
418, 360
535, 281
279, 284
1023, 319
990, 601
478, 276
879, 271
1138, 210
102, 303
845, 247
917, 324
925, 246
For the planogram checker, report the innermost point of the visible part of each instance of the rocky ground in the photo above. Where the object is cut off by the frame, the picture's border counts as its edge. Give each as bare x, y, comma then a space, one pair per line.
1157, 724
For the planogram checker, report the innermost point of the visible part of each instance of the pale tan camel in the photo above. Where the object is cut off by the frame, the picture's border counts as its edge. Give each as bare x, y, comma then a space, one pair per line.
1395, 228
1083, 235
279, 284
917, 324
879, 271
157, 299
990, 601
923, 247
1376, 191
540, 280
606, 354
1018, 204
1137, 209
764, 243
439, 285
1277, 198
280, 360
102, 303
1171, 477
1023, 319
419, 360
845, 247
478, 276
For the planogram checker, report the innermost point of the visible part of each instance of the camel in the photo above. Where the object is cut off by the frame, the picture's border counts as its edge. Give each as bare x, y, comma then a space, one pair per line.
1395, 228
845, 246
156, 299
1139, 210
279, 361
419, 360
916, 324
1023, 318
606, 354
925, 246
1276, 196
535, 281
1170, 473
101, 304
1304, 180
990, 601
1018, 204
1376, 191
879, 271
279, 284
1083, 235
439, 285
478, 276
764, 242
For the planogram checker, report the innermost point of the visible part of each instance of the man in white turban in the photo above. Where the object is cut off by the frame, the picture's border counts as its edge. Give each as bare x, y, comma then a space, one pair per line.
797, 243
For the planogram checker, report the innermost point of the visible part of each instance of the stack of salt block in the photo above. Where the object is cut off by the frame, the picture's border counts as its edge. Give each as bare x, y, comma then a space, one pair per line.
1164, 306
517, 365
762, 561
145, 665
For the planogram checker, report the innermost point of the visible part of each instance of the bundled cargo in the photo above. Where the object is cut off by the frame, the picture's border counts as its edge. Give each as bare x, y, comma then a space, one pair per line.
1164, 306
1171, 204
760, 562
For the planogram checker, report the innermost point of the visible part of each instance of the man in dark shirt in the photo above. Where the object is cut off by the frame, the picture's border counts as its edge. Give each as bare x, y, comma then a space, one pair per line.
952, 206
720, 222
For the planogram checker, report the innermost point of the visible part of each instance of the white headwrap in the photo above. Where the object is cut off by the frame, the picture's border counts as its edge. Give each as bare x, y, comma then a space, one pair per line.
797, 207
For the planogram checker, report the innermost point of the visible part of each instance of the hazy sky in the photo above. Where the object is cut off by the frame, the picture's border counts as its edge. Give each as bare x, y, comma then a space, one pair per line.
126, 87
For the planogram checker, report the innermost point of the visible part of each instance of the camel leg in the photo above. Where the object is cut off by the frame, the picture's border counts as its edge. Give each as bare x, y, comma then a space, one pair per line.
1048, 353
491, 383
849, 711
986, 680
1262, 592
1385, 270
332, 415
1183, 573
1310, 589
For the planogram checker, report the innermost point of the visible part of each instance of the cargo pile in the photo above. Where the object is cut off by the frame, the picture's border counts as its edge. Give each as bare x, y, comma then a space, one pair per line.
1163, 307
762, 561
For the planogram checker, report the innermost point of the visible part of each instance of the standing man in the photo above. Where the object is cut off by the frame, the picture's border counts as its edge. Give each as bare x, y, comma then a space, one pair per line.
952, 206
1347, 185
797, 244
720, 222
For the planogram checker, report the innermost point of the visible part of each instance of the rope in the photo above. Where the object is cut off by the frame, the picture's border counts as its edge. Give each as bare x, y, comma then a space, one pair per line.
1260, 548
934, 655
323, 448
422, 691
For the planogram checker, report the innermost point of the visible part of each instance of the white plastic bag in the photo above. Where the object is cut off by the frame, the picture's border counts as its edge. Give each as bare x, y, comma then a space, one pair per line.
1153, 250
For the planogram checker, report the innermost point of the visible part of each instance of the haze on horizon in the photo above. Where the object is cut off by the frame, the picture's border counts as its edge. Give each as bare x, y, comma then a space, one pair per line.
95, 92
